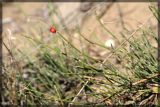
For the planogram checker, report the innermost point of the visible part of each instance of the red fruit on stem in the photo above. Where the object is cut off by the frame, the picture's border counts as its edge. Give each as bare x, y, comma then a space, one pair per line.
53, 29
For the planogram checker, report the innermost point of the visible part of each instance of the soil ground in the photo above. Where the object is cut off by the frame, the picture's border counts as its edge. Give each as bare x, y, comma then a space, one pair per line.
128, 14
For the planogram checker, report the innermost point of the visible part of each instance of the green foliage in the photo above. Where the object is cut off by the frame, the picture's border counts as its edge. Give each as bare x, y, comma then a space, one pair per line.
60, 73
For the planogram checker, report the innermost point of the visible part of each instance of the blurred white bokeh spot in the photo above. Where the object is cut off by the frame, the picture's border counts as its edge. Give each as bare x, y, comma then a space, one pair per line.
110, 43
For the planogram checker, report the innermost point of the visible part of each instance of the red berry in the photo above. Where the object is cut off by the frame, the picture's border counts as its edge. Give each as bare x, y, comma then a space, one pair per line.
53, 29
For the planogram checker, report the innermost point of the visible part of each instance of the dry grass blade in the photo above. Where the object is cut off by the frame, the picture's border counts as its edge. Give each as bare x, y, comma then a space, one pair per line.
130, 36
78, 93
144, 80
70, 70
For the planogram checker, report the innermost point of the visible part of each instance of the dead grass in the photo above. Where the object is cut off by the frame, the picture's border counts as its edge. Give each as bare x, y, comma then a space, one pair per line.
41, 68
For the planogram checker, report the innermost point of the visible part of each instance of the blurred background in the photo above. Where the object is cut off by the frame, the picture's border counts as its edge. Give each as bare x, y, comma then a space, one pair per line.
102, 52
117, 17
